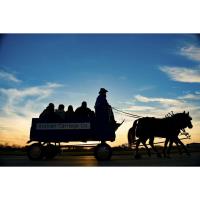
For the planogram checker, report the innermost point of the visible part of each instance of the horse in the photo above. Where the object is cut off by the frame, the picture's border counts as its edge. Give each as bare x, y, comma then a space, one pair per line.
150, 127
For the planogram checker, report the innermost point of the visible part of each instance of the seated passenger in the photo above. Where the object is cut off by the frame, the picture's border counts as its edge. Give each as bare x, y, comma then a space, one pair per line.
48, 114
83, 113
69, 114
60, 112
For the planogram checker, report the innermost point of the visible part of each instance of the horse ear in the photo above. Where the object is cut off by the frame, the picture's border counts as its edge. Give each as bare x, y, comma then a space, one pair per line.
184, 112
187, 113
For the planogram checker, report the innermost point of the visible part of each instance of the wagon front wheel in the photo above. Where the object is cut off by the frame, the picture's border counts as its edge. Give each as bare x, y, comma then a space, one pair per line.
103, 152
35, 151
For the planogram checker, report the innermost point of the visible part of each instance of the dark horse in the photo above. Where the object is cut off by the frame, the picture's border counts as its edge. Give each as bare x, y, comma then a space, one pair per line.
149, 127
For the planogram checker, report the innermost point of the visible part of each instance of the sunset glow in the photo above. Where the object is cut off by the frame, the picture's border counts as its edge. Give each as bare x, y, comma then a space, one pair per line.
145, 74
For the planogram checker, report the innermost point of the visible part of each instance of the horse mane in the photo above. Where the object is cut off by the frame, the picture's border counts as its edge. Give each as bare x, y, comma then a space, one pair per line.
170, 114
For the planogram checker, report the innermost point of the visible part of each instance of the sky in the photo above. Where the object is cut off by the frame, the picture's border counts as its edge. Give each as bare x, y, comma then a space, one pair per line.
145, 74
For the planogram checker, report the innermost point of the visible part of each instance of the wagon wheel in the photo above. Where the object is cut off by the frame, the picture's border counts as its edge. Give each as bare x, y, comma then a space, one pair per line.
35, 151
50, 151
103, 152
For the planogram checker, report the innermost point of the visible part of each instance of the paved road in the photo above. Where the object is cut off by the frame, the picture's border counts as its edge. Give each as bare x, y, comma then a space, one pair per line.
117, 160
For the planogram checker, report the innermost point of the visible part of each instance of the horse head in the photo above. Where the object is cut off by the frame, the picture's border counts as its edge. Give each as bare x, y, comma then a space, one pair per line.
186, 120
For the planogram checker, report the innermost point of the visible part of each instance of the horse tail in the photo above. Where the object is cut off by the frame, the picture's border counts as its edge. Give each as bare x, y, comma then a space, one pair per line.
132, 133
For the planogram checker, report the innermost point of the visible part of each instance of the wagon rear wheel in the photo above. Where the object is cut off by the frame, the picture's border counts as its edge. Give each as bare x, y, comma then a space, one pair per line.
103, 152
50, 151
35, 151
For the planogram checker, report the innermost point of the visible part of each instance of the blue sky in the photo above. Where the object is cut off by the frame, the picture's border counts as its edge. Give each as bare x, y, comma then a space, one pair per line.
146, 74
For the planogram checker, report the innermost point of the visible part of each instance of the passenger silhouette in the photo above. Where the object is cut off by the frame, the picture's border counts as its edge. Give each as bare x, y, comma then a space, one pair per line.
48, 113
60, 112
83, 113
70, 114
103, 110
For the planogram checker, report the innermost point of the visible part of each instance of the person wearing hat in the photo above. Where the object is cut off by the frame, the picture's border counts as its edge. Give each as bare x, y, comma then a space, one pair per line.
103, 110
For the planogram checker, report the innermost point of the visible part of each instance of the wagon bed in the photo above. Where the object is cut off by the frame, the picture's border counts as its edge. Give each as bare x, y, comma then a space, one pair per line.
70, 131
46, 133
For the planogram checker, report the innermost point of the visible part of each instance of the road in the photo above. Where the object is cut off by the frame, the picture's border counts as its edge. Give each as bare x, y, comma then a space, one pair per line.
116, 160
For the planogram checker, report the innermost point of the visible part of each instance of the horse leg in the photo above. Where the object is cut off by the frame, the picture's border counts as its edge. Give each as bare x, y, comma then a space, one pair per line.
179, 149
170, 146
183, 146
137, 155
165, 147
146, 147
151, 140
130, 140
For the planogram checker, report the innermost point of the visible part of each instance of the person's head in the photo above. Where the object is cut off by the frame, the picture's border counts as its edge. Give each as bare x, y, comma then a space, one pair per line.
61, 107
70, 108
103, 91
50, 107
84, 104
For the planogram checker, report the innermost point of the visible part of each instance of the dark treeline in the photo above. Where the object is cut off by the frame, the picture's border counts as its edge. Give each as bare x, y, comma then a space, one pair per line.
7, 147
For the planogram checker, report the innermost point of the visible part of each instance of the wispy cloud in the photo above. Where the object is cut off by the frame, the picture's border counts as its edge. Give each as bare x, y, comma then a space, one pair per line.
8, 76
182, 74
163, 101
185, 74
193, 97
191, 51
140, 108
20, 106
164, 105
23, 101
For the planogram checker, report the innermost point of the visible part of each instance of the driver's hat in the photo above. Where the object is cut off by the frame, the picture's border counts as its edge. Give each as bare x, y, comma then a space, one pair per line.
102, 91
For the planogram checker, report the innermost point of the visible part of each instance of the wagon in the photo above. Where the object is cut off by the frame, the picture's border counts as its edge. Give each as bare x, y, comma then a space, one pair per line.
46, 137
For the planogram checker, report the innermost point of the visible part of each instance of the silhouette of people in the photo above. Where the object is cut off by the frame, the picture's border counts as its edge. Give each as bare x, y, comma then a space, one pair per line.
83, 113
48, 113
60, 112
103, 110
70, 114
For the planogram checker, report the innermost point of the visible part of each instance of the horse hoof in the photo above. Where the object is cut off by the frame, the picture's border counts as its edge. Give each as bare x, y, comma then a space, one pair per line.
137, 156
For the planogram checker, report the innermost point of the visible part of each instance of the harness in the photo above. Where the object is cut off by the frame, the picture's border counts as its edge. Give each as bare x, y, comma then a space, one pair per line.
182, 131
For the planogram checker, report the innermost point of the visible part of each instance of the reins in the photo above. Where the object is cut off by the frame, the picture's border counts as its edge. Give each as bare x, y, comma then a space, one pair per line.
126, 113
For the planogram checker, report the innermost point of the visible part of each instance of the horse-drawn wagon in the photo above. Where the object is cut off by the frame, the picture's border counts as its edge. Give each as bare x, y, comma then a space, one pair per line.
47, 136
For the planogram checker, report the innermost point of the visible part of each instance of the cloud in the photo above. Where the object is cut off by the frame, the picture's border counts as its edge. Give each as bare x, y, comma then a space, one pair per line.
20, 107
191, 51
23, 101
162, 101
140, 108
8, 77
162, 106
195, 96
182, 74
156, 106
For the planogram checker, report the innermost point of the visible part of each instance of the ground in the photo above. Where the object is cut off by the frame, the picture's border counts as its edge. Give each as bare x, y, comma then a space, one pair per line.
117, 160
